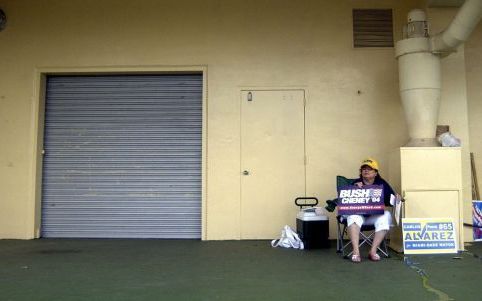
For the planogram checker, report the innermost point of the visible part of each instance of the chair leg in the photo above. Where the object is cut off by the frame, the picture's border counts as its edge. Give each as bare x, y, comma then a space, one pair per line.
338, 242
366, 239
384, 249
342, 245
344, 248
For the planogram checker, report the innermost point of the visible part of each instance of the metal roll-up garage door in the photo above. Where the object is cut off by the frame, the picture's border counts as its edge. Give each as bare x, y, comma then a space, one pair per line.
122, 156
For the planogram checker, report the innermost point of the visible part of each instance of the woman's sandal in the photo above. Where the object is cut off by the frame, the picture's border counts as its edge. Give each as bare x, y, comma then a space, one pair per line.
355, 258
374, 257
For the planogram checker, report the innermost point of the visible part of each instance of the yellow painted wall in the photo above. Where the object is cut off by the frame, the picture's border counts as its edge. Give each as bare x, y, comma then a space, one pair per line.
242, 44
454, 109
473, 67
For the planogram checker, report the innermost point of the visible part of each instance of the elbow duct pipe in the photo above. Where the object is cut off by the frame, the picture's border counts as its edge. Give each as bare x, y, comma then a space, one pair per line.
420, 69
459, 30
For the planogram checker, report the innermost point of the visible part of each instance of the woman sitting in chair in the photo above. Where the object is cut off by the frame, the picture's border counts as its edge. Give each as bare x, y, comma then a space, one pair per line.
369, 176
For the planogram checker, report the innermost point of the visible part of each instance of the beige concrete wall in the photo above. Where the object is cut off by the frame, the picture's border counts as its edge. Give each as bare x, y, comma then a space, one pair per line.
275, 44
457, 103
473, 67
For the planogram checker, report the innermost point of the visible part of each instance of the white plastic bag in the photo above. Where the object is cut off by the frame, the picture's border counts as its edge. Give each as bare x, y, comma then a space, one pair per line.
289, 239
447, 139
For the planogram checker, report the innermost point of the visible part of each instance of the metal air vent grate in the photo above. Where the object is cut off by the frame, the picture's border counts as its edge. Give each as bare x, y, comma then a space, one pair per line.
372, 28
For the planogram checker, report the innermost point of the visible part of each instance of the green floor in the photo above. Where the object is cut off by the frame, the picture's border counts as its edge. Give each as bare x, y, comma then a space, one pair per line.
75, 269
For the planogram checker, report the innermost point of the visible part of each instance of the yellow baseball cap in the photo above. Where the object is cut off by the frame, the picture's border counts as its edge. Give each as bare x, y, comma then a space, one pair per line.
370, 162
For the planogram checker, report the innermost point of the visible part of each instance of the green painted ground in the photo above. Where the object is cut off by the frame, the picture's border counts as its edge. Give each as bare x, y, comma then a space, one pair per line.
69, 269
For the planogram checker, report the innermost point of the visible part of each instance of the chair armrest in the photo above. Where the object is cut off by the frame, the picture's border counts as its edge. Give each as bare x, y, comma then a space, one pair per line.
331, 205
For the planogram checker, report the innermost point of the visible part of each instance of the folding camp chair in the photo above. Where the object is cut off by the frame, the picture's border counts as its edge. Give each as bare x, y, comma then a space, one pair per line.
367, 232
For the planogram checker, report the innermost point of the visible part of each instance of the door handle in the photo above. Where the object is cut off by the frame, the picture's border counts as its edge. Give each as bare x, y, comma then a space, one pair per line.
245, 172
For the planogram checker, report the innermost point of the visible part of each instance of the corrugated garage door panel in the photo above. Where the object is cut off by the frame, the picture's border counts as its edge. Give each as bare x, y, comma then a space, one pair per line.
122, 157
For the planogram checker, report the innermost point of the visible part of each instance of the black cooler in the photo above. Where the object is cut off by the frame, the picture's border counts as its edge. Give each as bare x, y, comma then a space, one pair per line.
312, 228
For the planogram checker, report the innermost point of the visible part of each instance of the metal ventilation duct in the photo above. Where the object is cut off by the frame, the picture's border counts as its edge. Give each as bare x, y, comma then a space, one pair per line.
420, 72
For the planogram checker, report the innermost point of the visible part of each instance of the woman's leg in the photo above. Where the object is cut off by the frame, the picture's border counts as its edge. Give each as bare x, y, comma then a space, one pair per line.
377, 240
354, 223
354, 232
382, 225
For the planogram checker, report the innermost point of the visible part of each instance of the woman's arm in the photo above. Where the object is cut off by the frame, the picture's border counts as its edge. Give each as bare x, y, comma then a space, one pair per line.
387, 191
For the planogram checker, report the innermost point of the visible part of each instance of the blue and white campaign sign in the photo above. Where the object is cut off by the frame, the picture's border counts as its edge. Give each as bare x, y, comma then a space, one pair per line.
477, 219
367, 200
429, 235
